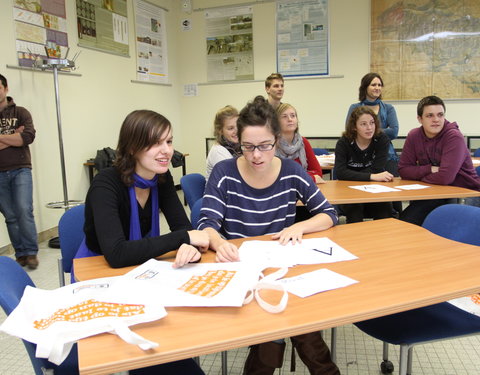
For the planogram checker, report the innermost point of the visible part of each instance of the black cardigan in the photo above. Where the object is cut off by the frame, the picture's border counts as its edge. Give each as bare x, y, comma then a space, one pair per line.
107, 221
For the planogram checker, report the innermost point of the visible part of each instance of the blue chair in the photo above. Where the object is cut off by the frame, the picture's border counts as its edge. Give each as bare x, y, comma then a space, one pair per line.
14, 280
70, 233
195, 212
476, 152
193, 186
436, 322
478, 170
319, 151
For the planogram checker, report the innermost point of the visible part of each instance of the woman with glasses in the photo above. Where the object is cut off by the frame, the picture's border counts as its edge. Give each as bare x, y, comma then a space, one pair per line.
225, 132
361, 155
254, 195
291, 145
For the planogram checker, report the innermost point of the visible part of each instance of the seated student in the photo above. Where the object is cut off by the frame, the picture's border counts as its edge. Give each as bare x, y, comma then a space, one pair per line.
435, 153
291, 145
274, 86
225, 132
361, 155
123, 203
256, 194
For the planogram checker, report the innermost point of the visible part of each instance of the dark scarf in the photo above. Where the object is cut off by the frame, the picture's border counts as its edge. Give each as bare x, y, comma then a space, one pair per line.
233, 148
382, 110
135, 232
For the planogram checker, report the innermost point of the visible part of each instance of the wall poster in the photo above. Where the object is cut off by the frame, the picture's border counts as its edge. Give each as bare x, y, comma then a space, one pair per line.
302, 37
229, 44
40, 26
103, 25
151, 42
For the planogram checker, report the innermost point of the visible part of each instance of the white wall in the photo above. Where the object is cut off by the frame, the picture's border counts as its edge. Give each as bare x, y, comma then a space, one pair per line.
94, 105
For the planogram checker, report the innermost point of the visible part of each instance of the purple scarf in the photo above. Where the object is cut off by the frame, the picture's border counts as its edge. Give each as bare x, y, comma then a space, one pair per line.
135, 232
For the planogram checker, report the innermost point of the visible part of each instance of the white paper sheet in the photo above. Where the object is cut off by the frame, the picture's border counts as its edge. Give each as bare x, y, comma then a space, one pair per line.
311, 251
374, 188
314, 282
412, 187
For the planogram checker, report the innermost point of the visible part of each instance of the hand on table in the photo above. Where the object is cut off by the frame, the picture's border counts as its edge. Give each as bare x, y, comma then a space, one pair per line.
186, 254
199, 239
227, 252
382, 177
293, 233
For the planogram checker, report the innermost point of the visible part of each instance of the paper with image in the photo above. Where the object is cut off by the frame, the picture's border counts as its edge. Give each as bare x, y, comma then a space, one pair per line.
310, 251
310, 283
199, 284
374, 188
412, 187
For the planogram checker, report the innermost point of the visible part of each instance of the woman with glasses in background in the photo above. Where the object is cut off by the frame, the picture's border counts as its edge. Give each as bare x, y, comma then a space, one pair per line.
255, 195
361, 155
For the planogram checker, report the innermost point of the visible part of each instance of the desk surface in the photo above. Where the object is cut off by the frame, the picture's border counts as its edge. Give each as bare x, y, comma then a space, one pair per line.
338, 192
401, 266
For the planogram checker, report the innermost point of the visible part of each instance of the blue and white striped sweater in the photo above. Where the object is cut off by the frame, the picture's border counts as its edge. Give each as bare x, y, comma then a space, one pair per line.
237, 210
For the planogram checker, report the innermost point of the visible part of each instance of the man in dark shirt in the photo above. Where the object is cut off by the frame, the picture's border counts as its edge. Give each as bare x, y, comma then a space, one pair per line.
16, 196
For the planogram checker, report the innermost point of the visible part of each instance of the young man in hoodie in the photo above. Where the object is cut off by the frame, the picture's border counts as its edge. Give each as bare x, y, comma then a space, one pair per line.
435, 153
16, 201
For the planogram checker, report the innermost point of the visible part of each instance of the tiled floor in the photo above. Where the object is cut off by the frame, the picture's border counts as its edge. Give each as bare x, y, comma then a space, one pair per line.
357, 353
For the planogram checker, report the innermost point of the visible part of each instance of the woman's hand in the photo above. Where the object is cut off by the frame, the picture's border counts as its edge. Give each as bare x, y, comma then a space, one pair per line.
186, 254
199, 239
227, 252
293, 233
319, 180
382, 177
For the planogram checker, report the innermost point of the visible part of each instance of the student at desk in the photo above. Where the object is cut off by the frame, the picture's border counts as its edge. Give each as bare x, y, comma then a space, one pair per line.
256, 194
361, 155
123, 202
435, 153
225, 132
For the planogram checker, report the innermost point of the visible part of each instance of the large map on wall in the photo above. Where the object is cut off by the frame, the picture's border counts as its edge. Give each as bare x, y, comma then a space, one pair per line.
427, 47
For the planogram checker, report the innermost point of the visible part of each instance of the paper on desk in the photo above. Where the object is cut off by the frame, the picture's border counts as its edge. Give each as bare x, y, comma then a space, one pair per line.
475, 161
326, 160
374, 188
412, 187
314, 282
265, 254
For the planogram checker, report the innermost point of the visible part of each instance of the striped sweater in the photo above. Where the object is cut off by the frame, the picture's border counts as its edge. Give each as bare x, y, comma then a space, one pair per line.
236, 210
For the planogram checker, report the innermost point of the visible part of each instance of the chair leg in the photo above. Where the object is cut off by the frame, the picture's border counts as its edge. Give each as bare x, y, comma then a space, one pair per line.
61, 274
224, 363
197, 360
333, 344
409, 360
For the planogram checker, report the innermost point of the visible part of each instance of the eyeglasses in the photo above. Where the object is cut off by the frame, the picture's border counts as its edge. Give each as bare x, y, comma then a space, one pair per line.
262, 147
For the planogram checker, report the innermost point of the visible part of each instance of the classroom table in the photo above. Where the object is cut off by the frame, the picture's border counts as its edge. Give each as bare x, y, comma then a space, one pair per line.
339, 192
401, 266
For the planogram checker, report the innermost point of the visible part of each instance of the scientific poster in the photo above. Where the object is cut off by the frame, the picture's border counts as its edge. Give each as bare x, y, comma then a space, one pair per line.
103, 25
40, 26
151, 42
229, 44
302, 37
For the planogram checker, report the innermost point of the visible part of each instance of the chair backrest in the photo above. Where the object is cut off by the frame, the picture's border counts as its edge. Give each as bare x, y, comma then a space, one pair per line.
320, 151
70, 232
193, 186
478, 170
13, 281
456, 222
476, 153
195, 212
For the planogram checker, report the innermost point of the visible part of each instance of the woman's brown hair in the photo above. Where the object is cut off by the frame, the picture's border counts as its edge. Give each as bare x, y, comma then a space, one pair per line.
223, 114
351, 127
140, 130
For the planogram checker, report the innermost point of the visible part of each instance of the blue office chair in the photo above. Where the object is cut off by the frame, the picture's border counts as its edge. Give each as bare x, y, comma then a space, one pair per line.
193, 186
70, 232
195, 212
476, 153
14, 280
478, 170
319, 151
436, 322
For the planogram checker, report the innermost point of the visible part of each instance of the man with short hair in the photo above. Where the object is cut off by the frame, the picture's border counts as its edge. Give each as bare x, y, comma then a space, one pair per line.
16, 196
435, 153
274, 88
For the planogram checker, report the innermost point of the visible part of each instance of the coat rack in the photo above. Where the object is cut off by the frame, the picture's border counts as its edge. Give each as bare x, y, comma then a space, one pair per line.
55, 64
